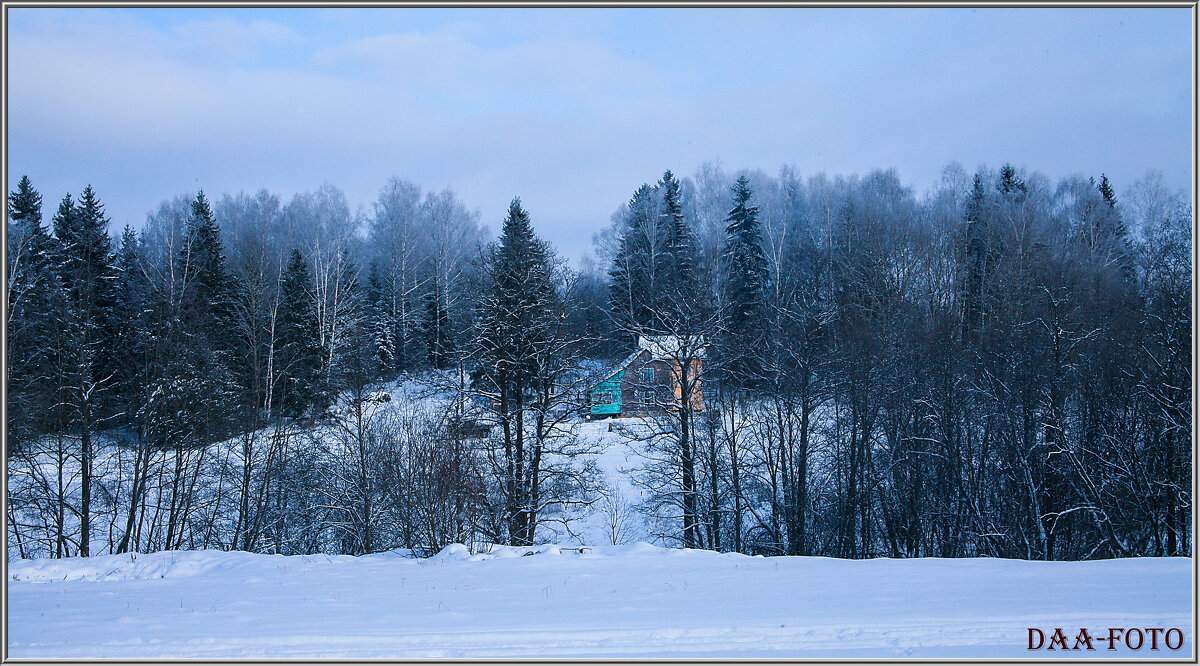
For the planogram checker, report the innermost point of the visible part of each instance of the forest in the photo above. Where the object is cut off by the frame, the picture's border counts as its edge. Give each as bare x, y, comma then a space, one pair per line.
1000, 366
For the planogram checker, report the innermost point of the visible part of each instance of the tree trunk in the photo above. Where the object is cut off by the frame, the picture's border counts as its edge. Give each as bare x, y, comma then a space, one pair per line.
85, 480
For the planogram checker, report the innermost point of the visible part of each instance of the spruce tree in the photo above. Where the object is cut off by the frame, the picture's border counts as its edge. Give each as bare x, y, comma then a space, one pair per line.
1010, 183
34, 309
513, 319
634, 289
64, 220
680, 300
683, 316
975, 259
206, 362
88, 272
133, 328
1106, 191
744, 289
209, 294
298, 346
29, 258
25, 205
1113, 232
138, 371
377, 305
516, 321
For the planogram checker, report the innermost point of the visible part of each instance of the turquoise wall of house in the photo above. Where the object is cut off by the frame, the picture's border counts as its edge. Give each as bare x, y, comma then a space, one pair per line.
612, 385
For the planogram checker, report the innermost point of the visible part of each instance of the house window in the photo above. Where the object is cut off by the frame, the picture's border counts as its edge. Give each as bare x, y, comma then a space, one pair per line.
602, 397
647, 376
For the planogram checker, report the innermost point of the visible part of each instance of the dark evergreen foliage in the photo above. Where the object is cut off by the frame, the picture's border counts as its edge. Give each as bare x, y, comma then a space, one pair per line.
975, 261
1010, 182
25, 205
383, 339
87, 271
134, 329
1106, 191
635, 277
205, 369
744, 290
209, 287
517, 323
298, 349
35, 308
513, 320
681, 289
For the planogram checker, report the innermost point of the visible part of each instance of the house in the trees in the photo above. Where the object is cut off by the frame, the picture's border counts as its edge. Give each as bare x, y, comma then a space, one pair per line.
648, 381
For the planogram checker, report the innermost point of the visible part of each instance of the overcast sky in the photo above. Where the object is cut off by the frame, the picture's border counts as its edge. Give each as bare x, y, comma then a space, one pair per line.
573, 109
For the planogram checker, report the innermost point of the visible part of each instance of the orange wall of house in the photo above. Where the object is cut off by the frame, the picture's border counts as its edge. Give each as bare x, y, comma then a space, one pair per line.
697, 394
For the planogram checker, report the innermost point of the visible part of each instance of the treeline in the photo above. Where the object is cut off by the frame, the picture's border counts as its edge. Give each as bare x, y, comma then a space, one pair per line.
1001, 367
138, 355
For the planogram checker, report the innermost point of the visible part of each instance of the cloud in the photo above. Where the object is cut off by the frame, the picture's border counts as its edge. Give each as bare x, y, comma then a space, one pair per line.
228, 41
464, 77
572, 110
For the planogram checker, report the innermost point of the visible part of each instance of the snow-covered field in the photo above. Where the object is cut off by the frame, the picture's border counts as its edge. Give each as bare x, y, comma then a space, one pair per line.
617, 601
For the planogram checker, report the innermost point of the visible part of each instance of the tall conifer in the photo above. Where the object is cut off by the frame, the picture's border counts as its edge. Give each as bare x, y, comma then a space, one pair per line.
745, 285
299, 348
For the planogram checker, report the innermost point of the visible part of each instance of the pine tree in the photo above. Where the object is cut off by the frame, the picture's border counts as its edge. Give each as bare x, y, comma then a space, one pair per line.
746, 323
133, 327
1106, 191
138, 370
681, 315
976, 258
1010, 183
378, 303
209, 295
34, 306
515, 323
206, 332
634, 290
88, 273
29, 261
1113, 232
299, 350
975, 205
64, 220
745, 286
680, 299
25, 205
65, 334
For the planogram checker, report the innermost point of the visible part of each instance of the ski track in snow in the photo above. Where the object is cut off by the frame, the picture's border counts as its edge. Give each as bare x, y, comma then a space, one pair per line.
617, 601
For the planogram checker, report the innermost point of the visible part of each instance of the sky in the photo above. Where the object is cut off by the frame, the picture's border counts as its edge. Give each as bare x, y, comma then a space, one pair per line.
572, 109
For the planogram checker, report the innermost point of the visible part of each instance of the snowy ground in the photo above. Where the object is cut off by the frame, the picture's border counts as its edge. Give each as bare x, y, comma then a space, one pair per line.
623, 601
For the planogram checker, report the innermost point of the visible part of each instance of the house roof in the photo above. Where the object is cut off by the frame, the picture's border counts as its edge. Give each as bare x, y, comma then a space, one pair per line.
660, 347
623, 364
668, 346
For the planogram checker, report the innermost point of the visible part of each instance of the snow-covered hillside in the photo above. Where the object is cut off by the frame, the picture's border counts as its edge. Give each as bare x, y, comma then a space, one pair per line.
616, 601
